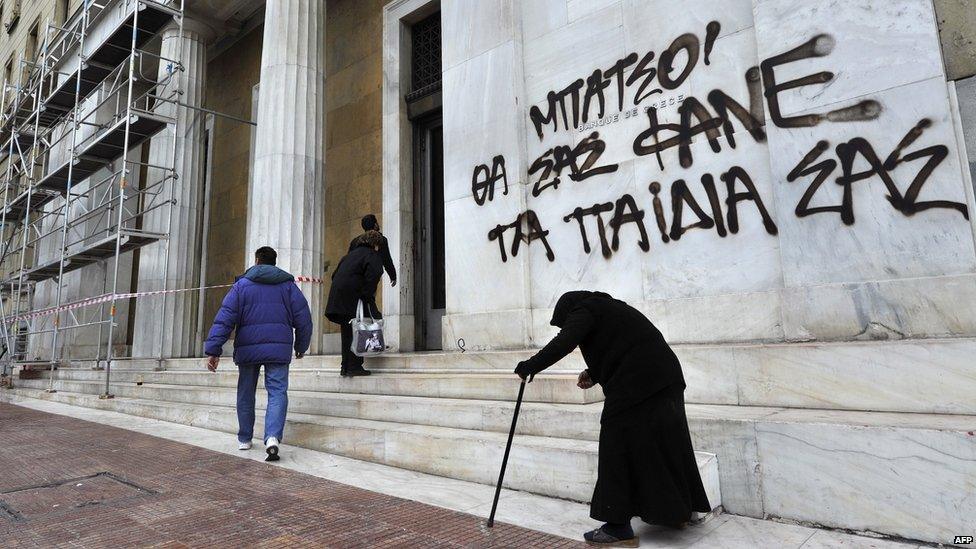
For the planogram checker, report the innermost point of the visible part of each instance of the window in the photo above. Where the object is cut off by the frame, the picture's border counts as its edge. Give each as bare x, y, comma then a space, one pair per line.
425, 57
30, 50
61, 12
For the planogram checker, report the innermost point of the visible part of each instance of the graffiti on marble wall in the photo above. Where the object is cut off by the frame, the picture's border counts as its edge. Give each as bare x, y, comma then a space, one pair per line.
848, 153
637, 83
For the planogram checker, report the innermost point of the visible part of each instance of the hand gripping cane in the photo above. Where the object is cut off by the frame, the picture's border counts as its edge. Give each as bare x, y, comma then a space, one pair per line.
508, 447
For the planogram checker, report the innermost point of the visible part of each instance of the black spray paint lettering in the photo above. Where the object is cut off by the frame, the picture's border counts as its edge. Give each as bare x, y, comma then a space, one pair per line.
596, 210
626, 210
533, 231
483, 180
818, 46
599, 80
552, 163
712, 126
682, 196
907, 203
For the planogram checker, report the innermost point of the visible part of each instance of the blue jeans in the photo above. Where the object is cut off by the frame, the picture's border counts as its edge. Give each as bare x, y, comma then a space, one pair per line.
276, 383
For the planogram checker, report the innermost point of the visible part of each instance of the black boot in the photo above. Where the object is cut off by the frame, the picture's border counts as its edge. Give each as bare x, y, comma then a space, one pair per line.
357, 372
612, 535
343, 372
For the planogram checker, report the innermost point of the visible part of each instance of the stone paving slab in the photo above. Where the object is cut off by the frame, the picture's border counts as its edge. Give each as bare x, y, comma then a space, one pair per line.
66, 482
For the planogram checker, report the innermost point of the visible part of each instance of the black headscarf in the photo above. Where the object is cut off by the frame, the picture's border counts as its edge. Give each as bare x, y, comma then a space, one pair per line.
569, 301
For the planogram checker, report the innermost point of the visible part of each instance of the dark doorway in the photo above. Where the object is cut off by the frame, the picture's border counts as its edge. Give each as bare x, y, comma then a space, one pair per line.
430, 291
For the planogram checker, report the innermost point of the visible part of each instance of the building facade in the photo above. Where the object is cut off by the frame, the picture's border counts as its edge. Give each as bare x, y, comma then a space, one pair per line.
714, 166
784, 187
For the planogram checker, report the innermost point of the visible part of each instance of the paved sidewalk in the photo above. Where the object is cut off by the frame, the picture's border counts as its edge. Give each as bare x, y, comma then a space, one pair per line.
66, 482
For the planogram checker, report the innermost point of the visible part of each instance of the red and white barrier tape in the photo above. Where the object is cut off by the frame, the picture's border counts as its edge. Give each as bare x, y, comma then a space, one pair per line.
105, 298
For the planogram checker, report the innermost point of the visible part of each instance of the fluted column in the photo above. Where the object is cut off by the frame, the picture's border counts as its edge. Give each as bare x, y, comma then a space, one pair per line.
180, 147
285, 210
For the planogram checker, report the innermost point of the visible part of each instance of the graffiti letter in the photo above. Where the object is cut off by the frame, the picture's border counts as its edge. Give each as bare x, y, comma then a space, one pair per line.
618, 70
498, 233
706, 124
679, 196
822, 171
818, 46
656, 127
662, 224
595, 210
595, 147
554, 99
486, 184
751, 119
595, 85
688, 42
734, 174
936, 154
847, 153
635, 215
534, 232
709, 183
648, 73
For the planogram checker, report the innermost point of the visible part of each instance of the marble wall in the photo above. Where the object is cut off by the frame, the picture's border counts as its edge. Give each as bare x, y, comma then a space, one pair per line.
751, 170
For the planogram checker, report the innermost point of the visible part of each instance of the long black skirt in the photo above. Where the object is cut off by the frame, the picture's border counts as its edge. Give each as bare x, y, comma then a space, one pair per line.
647, 465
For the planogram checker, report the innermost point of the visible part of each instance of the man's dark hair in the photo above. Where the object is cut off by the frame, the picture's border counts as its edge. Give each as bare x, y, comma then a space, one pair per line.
369, 222
266, 256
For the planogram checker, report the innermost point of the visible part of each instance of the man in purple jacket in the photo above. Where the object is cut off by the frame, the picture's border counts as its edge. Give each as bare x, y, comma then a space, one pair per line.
272, 318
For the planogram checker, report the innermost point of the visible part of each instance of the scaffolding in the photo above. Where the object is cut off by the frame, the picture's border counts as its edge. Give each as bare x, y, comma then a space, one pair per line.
76, 192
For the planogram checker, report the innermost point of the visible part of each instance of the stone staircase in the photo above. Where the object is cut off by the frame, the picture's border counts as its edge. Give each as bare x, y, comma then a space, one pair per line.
414, 415
801, 451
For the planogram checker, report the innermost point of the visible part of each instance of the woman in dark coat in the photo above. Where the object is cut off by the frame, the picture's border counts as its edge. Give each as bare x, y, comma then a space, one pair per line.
355, 279
647, 466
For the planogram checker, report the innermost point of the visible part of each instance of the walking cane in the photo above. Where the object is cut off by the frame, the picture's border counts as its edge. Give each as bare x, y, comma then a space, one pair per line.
508, 447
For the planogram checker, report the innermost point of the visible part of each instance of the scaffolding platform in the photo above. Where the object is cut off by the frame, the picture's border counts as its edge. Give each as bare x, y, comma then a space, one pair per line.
90, 254
103, 59
38, 198
105, 149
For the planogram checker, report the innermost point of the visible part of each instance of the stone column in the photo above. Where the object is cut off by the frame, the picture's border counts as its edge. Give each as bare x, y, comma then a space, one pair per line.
286, 206
175, 327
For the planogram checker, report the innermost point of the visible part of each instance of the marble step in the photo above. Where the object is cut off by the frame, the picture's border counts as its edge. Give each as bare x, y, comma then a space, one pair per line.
557, 388
437, 361
547, 466
843, 469
851, 375
535, 418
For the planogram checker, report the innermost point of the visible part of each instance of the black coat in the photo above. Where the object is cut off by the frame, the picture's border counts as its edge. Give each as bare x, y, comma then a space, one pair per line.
624, 352
384, 254
647, 465
354, 278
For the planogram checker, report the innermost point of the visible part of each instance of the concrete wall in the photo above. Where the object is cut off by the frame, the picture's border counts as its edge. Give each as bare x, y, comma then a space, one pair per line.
230, 78
957, 28
853, 255
353, 140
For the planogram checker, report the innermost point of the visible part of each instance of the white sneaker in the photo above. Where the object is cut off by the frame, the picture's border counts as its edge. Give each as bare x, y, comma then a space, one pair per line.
244, 445
271, 446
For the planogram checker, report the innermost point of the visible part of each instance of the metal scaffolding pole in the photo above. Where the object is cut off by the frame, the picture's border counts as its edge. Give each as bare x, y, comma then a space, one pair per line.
63, 249
122, 185
60, 104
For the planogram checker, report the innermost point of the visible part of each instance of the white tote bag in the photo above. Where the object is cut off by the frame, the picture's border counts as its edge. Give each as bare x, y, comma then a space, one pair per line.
367, 334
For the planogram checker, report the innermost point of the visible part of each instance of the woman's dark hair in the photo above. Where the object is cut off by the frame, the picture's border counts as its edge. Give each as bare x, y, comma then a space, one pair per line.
373, 239
266, 255
369, 222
